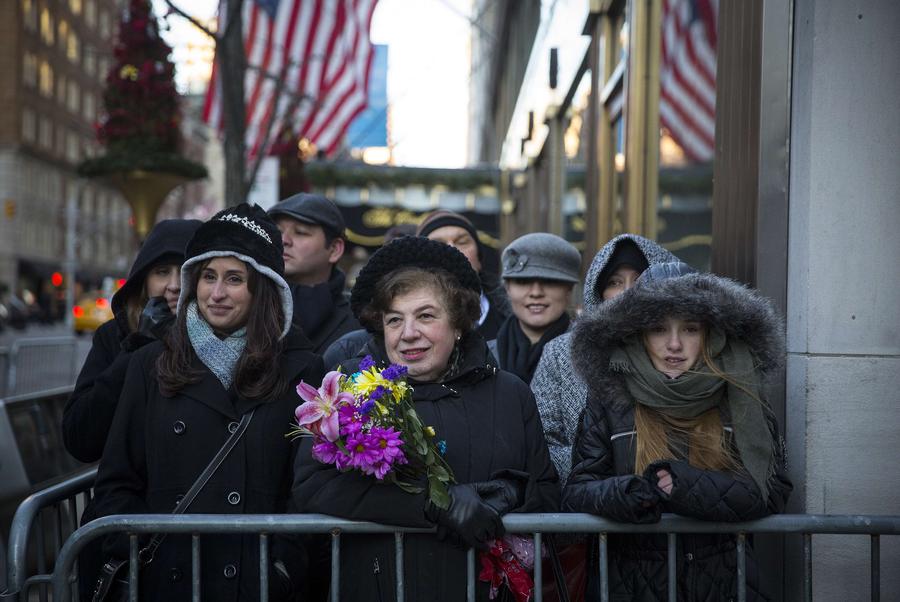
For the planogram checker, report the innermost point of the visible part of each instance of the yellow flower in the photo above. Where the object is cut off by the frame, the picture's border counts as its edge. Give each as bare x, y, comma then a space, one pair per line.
429, 430
128, 72
368, 380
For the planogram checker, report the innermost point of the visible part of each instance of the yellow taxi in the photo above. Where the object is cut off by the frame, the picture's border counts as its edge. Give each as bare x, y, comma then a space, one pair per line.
92, 310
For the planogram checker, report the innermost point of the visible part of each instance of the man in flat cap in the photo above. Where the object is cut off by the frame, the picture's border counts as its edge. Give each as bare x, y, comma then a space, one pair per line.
312, 231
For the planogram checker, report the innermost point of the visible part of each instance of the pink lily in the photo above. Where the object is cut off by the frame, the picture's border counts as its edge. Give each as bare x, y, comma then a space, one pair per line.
319, 413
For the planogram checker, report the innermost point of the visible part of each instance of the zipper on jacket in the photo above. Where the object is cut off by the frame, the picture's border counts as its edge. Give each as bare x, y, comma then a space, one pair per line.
376, 572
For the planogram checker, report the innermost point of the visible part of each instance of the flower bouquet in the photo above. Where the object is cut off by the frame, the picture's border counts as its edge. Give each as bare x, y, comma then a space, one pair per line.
366, 421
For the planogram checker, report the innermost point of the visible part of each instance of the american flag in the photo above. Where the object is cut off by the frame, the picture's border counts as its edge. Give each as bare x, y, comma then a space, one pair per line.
321, 49
687, 104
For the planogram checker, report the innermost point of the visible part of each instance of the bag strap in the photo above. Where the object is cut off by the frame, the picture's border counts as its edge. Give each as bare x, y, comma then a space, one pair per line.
147, 553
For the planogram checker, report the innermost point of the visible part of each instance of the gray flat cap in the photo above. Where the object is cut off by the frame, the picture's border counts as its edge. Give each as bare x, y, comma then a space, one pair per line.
311, 209
541, 255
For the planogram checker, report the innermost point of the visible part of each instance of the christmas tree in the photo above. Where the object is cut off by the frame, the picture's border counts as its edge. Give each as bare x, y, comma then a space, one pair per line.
140, 127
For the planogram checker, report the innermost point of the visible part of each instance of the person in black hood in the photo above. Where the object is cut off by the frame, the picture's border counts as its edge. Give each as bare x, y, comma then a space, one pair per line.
419, 298
677, 421
152, 289
144, 309
455, 230
312, 233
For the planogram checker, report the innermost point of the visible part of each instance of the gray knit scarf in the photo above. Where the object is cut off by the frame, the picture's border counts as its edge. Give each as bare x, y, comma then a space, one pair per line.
219, 355
700, 390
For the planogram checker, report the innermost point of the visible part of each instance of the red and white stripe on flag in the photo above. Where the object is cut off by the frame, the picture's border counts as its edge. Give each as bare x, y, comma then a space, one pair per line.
321, 49
687, 103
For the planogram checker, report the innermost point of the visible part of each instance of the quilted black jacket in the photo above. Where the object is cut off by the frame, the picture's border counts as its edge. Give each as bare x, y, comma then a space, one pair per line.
603, 479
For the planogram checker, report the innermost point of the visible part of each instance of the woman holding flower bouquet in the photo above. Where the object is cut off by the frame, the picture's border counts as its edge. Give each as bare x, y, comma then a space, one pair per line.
421, 430
677, 421
230, 363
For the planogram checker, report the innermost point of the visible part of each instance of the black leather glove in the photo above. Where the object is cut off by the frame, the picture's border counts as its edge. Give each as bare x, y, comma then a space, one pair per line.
155, 320
468, 517
503, 495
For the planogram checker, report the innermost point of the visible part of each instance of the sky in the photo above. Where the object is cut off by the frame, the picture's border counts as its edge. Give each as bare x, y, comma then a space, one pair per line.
428, 71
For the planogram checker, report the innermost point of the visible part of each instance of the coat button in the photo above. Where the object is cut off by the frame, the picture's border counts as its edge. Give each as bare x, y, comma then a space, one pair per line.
232, 426
175, 574
230, 571
689, 557
178, 427
234, 498
178, 498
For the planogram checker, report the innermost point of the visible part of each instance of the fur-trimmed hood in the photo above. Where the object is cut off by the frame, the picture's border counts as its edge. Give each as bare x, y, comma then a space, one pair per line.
652, 252
737, 311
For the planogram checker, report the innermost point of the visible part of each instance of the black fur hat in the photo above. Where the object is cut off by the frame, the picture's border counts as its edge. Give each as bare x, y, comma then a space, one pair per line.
410, 251
249, 234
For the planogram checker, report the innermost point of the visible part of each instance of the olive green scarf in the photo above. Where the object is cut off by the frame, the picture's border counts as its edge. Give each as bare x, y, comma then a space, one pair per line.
700, 390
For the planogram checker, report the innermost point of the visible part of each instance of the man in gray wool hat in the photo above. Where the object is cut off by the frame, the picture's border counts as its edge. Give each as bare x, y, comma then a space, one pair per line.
312, 231
539, 272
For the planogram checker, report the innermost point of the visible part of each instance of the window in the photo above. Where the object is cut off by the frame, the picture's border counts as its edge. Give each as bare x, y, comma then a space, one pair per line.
90, 61
45, 133
75, 6
29, 123
62, 32
45, 73
104, 24
73, 96
88, 107
72, 47
46, 27
73, 148
29, 69
90, 13
29, 14
61, 90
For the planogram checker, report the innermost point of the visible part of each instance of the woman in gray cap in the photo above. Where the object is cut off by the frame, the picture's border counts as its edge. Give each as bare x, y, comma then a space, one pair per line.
539, 271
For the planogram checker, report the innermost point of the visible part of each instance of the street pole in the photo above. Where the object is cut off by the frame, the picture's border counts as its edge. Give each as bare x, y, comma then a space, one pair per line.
70, 263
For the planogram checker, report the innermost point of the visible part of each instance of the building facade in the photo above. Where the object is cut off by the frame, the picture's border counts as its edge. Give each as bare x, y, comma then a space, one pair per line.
798, 198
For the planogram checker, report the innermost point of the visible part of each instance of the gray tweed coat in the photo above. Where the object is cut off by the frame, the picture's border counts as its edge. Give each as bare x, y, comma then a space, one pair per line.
560, 393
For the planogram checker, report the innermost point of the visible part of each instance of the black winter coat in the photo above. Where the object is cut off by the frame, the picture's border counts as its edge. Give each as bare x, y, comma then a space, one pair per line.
490, 423
158, 446
603, 482
90, 409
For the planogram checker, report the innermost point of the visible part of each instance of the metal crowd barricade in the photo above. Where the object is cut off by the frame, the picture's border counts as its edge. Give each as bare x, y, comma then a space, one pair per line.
50, 515
39, 363
536, 524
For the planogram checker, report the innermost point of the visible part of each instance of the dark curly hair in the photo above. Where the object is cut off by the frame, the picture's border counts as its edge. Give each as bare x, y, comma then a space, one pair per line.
462, 304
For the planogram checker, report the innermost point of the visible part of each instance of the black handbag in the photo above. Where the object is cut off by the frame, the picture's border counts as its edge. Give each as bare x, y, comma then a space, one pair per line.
112, 585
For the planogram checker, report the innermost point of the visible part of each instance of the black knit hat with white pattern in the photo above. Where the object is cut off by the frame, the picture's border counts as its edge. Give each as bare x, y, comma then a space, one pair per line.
249, 234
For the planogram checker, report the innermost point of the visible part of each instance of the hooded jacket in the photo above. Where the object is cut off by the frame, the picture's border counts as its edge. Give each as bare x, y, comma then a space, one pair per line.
490, 424
89, 410
602, 480
559, 392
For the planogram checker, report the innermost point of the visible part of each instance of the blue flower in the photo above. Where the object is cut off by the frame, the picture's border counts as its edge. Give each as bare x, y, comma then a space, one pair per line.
377, 394
366, 363
367, 407
442, 447
394, 371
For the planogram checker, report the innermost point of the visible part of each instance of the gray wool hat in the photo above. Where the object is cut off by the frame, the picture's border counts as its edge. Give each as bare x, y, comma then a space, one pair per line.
311, 209
541, 255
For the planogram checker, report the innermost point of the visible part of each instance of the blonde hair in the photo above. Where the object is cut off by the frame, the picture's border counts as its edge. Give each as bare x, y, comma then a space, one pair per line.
708, 448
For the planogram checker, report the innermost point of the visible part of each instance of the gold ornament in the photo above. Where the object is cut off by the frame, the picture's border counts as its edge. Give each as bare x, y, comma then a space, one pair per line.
128, 72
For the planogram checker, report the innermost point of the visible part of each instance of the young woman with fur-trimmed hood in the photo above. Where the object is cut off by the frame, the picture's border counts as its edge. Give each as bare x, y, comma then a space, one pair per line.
676, 421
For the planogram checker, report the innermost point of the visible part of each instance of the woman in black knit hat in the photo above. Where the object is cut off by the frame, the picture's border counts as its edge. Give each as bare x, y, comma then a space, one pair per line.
419, 298
230, 354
